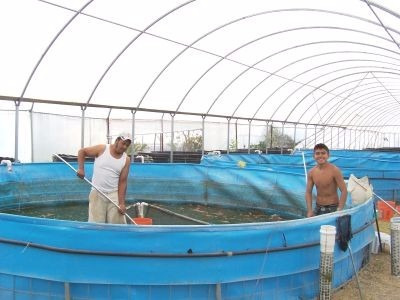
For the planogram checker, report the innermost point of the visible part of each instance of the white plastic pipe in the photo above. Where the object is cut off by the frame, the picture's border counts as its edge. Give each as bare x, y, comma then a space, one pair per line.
304, 165
395, 245
215, 152
8, 163
327, 242
141, 158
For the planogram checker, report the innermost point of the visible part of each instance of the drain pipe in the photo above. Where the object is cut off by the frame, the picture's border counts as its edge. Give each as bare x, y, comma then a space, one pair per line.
395, 245
67, 291
8, 163
327, 242
218, 292
141, 158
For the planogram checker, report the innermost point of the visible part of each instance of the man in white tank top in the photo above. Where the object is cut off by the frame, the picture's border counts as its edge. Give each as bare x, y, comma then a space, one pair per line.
110, 175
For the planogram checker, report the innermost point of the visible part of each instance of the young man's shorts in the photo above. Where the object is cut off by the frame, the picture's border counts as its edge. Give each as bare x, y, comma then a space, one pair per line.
325, 209
101, 210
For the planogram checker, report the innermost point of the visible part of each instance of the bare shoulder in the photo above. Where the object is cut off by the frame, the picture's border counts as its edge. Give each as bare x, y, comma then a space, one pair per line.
335, 169
94, 151
312, 171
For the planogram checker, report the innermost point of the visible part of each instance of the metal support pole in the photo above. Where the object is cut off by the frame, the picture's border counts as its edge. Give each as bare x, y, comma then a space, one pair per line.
83, 127
32, 145
109, 137
248, 142
338, 140
355, 138
305, 137
282, 132
162, 133
350, 138
315, 135
344, 138
364, 140
16, 130
228, 135
331, 137
171, 157
202, 134
294, 135
266, 139
133, 135
271, 135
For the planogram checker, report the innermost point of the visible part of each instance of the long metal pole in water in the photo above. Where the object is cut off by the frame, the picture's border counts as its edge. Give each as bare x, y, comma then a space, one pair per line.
96, 188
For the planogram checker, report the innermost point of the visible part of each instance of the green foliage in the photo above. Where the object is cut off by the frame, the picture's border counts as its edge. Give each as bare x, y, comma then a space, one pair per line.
233, 145
192, 143
135, 148
275, 140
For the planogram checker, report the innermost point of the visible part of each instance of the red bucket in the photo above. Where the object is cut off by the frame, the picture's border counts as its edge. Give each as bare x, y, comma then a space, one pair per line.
143, 221
385, 212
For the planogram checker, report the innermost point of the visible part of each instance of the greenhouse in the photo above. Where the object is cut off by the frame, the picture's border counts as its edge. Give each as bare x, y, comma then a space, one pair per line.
223, 102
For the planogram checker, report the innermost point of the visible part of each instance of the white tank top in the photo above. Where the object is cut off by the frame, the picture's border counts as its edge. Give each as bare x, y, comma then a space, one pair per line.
106, 171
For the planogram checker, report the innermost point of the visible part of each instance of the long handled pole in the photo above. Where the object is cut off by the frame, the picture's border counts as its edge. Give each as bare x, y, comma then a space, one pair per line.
355, 272
380, 198
96, 188
304, 165
376, 217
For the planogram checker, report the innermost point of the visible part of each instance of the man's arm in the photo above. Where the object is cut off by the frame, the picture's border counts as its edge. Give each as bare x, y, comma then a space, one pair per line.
342, 187
93, 151
122, 184
309, 187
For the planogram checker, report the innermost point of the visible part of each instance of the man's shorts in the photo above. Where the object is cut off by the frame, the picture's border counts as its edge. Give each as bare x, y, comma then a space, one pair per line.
101, 210
325, 209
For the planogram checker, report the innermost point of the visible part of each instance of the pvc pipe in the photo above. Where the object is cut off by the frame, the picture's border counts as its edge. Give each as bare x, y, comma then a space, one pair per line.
141, 158
327, 243
8, 163
304, 164
395, 245
215, 152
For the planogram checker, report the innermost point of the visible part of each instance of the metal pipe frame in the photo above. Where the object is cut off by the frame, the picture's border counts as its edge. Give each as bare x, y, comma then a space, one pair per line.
340, 94
325, 83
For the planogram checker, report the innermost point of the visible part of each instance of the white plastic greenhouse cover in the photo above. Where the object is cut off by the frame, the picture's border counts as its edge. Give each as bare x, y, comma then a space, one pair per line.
331, 62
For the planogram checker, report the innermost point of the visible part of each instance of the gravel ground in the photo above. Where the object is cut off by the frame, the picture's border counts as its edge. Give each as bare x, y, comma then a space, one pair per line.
376, 281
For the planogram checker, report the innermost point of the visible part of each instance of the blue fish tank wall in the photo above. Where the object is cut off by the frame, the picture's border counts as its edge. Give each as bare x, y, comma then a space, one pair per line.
61, 259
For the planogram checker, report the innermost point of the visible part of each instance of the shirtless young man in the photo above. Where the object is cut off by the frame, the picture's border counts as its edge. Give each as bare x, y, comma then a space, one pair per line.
327, 178
110, 175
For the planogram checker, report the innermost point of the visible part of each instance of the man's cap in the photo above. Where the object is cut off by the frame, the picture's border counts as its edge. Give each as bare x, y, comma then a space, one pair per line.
125, 137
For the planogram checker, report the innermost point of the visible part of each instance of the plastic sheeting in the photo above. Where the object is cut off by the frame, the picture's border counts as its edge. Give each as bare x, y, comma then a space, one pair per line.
294, 61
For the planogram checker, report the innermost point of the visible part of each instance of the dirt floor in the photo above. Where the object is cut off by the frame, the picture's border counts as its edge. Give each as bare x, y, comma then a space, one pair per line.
376, 281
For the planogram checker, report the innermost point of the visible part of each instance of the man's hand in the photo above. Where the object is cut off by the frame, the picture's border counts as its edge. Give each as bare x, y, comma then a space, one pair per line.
122, 209
310, 214
80, 173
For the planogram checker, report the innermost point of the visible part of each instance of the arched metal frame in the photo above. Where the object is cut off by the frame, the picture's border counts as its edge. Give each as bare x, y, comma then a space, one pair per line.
382, 109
